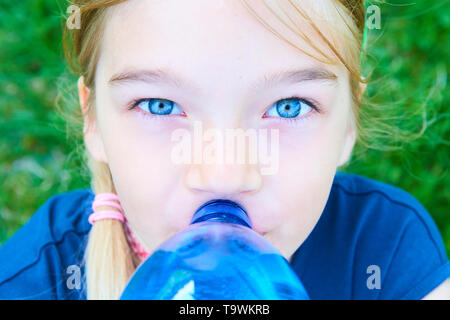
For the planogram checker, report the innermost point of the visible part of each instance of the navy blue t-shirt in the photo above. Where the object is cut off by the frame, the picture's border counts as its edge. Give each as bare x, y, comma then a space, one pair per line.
373, 241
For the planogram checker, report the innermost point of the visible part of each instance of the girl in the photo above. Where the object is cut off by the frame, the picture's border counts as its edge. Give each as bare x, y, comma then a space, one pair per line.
148, 68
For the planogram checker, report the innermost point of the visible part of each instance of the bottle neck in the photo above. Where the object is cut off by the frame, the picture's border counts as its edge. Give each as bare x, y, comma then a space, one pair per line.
222, 210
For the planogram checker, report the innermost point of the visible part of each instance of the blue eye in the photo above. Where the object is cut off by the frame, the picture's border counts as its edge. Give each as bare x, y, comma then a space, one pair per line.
158, 106
290, 108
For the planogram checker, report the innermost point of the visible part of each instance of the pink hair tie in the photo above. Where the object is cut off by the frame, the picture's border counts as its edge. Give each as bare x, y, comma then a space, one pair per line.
112, 200
102, 215
106, 199
100, 203
107, 196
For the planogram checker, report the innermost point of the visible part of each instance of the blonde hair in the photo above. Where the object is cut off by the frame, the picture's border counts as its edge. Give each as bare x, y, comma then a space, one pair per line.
109, 260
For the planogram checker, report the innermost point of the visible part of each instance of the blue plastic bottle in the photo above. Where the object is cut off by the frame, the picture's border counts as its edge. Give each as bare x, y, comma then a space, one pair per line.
218, 256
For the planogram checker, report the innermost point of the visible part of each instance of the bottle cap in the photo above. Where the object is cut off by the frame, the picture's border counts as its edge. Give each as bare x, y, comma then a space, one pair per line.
222, 210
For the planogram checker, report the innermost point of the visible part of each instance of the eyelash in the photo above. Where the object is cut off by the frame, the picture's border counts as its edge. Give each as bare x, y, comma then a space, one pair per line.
315, 108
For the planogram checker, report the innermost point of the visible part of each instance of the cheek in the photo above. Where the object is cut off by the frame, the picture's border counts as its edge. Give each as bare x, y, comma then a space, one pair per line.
143, 173
305, 177
309, 153
308, 162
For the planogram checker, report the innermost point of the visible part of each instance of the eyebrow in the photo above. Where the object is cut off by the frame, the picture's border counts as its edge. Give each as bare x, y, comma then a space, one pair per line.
293, 77
267, 81
149, 76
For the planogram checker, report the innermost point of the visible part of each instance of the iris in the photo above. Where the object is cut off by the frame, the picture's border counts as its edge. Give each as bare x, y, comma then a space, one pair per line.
159, 106
289, 108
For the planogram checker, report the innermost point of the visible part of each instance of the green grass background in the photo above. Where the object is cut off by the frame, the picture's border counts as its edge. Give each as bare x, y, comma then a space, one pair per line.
409, 60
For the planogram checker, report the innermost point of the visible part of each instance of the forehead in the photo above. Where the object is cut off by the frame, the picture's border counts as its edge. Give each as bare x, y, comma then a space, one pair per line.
205, 39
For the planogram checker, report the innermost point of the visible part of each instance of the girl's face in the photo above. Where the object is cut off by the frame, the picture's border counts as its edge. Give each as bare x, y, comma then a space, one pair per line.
208, 60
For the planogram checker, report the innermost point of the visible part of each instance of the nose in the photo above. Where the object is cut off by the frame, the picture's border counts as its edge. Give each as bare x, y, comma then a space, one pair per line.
228, 174
223, 180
